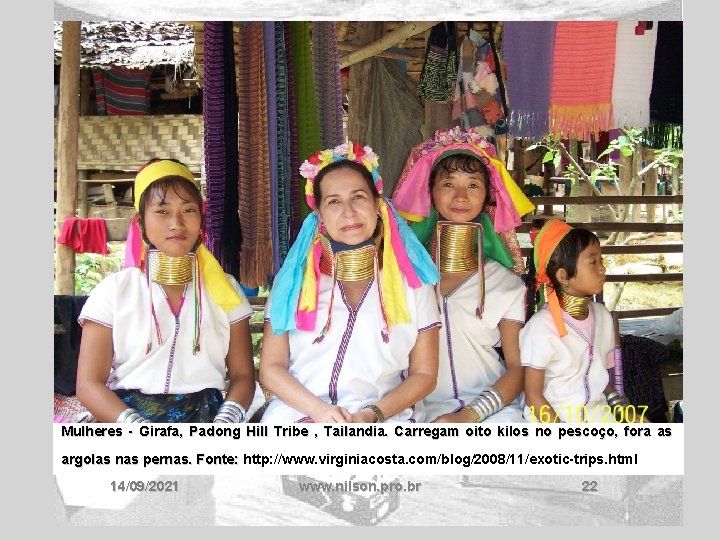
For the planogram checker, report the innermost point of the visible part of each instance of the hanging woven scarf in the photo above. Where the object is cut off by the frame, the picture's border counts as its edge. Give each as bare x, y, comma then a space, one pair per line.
284, 205
295, 184
528, 53
214, 125
231, 232
328, 87
632, 82
307, 116
439, 72
256, 253
271, 89
581, 89
666, 97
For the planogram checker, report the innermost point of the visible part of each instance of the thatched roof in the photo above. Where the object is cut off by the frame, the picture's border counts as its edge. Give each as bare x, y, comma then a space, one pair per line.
132, 44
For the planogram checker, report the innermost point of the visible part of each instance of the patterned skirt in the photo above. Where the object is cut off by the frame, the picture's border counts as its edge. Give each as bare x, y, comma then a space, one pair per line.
196, 407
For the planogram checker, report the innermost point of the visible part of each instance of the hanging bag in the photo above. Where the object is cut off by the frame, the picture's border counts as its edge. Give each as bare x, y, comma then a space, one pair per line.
439, 72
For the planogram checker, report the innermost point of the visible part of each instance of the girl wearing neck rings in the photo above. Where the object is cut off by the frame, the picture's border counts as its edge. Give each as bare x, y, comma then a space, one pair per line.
568, 346
161, 337
352, 327
464, 207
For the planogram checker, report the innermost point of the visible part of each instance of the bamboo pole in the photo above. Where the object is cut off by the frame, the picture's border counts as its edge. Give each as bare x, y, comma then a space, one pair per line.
388, 40
68, 121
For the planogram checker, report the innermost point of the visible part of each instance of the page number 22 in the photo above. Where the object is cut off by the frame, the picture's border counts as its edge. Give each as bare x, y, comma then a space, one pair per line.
589, 485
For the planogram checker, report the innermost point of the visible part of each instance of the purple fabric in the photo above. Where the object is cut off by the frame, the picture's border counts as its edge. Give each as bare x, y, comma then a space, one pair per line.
213, 112
271, 93
528, 54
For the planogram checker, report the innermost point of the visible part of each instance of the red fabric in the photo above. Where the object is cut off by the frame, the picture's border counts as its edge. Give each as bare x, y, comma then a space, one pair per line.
84, 235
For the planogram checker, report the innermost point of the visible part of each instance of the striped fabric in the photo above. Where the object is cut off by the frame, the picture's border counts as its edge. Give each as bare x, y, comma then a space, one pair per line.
122, 91
256, 252
582, 77
284, 204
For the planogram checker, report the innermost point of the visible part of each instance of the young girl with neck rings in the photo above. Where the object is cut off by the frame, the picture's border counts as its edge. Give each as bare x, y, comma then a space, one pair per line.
463, 207
352, 329
161, 337
568, 346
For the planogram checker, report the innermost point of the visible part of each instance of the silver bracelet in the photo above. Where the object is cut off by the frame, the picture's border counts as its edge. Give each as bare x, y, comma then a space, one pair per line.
230, 412
486, 404
130, 415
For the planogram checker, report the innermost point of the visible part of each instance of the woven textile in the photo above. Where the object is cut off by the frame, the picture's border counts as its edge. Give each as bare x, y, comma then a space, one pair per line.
632, 81
328, 87
439, 72
297, 191
256, 253
581, 89
395, 118
214, 118
528, 52
666, 96
231, 237
122, 91
272, 112
284, 205
308, 128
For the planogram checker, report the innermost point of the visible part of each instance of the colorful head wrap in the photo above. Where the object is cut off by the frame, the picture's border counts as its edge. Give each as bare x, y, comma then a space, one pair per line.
216, 282
297, 280
413, 199
545, 243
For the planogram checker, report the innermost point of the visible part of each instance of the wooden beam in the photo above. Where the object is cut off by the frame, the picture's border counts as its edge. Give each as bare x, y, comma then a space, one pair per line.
609, 199
393, 55
68, 127
612, 227
643, 249
388, 40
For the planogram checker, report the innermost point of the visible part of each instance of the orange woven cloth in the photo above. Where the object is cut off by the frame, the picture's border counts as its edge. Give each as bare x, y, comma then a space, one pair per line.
582, 77
256, 252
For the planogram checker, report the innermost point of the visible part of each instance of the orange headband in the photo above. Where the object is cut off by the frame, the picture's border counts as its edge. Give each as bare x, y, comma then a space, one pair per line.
545, 243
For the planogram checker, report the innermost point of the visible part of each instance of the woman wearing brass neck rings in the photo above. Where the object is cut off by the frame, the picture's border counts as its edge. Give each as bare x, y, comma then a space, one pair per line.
161, 337
352, 327
463, 207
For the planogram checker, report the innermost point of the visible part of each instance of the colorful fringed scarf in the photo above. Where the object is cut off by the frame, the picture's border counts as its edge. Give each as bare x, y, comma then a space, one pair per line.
256, 253
582, 75
528, 53
328, 88
632, 81
296, 285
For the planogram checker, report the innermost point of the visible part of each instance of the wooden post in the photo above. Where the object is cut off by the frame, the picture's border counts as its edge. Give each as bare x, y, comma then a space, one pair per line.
86, 104
359, 84
550, 189
68, 121
651, 183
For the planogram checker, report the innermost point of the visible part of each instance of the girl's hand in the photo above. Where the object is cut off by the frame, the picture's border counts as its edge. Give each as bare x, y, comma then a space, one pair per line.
363, 416
331, 414
461, 417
